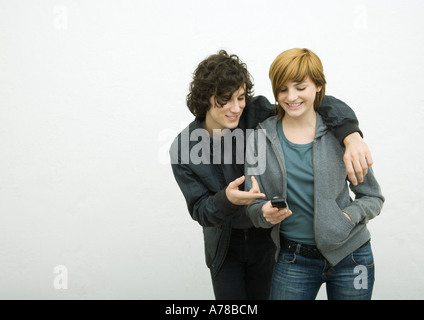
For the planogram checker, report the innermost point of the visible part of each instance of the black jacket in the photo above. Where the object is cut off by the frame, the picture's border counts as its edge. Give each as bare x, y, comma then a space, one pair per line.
203, 184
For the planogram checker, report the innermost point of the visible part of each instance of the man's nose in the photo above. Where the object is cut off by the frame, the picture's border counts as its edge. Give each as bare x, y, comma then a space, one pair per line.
235, 106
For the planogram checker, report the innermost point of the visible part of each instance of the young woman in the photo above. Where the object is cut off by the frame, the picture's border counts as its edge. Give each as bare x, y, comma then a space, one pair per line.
322, 234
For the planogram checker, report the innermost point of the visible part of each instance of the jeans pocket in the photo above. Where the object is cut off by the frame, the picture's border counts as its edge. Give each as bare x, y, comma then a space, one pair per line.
363, 256
286, 257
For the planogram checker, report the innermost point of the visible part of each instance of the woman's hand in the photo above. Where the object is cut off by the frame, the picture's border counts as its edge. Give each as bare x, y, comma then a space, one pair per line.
347, 216
274, 215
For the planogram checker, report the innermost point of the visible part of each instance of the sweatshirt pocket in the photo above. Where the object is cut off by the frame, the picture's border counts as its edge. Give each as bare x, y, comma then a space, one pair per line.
332, 227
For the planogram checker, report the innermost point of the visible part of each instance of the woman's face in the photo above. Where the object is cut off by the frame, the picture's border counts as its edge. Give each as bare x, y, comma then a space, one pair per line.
297, 98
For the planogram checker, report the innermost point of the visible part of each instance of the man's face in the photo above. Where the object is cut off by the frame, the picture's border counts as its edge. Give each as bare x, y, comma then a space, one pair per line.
227, 116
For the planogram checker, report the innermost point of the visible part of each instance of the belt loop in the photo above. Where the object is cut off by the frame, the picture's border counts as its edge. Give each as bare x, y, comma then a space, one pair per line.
298, 246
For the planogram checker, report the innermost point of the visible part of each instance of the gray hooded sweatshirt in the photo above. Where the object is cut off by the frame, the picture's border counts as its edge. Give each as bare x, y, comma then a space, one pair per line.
335, 235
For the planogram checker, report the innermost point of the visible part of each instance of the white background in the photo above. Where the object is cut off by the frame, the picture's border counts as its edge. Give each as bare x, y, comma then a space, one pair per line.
93, 92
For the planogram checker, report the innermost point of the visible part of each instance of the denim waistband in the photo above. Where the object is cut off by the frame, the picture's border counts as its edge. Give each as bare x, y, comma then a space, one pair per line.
302, 249
305, 250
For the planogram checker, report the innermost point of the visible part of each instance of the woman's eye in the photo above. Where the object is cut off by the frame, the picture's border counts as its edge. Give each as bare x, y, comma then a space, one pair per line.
301, 89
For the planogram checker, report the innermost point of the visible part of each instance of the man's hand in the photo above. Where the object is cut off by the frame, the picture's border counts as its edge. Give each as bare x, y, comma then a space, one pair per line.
357, 158
239, 197
274, 215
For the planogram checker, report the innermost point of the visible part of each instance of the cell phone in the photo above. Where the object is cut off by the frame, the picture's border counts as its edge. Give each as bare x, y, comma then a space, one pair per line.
279, 203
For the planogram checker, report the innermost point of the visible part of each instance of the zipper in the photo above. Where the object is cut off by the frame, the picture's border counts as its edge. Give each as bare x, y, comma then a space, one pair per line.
224, 184
221, 165
315, 201
281, 163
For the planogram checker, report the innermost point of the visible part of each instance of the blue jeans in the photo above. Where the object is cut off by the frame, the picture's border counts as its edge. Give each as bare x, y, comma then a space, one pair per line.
299, 278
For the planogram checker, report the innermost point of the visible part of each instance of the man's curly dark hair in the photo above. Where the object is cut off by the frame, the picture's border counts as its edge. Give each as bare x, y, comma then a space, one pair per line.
220, 75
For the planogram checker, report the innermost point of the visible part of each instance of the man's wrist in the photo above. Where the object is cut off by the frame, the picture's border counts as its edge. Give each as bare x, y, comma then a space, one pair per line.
351, 137
224, 204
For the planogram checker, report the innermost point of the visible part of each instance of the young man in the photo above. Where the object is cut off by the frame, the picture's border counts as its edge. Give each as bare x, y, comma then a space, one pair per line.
207, 160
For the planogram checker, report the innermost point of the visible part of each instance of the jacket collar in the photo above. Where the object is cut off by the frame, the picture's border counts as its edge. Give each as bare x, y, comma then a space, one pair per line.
270, 125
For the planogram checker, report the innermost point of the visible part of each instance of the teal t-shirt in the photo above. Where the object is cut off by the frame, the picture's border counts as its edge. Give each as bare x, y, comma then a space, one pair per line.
299, 226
